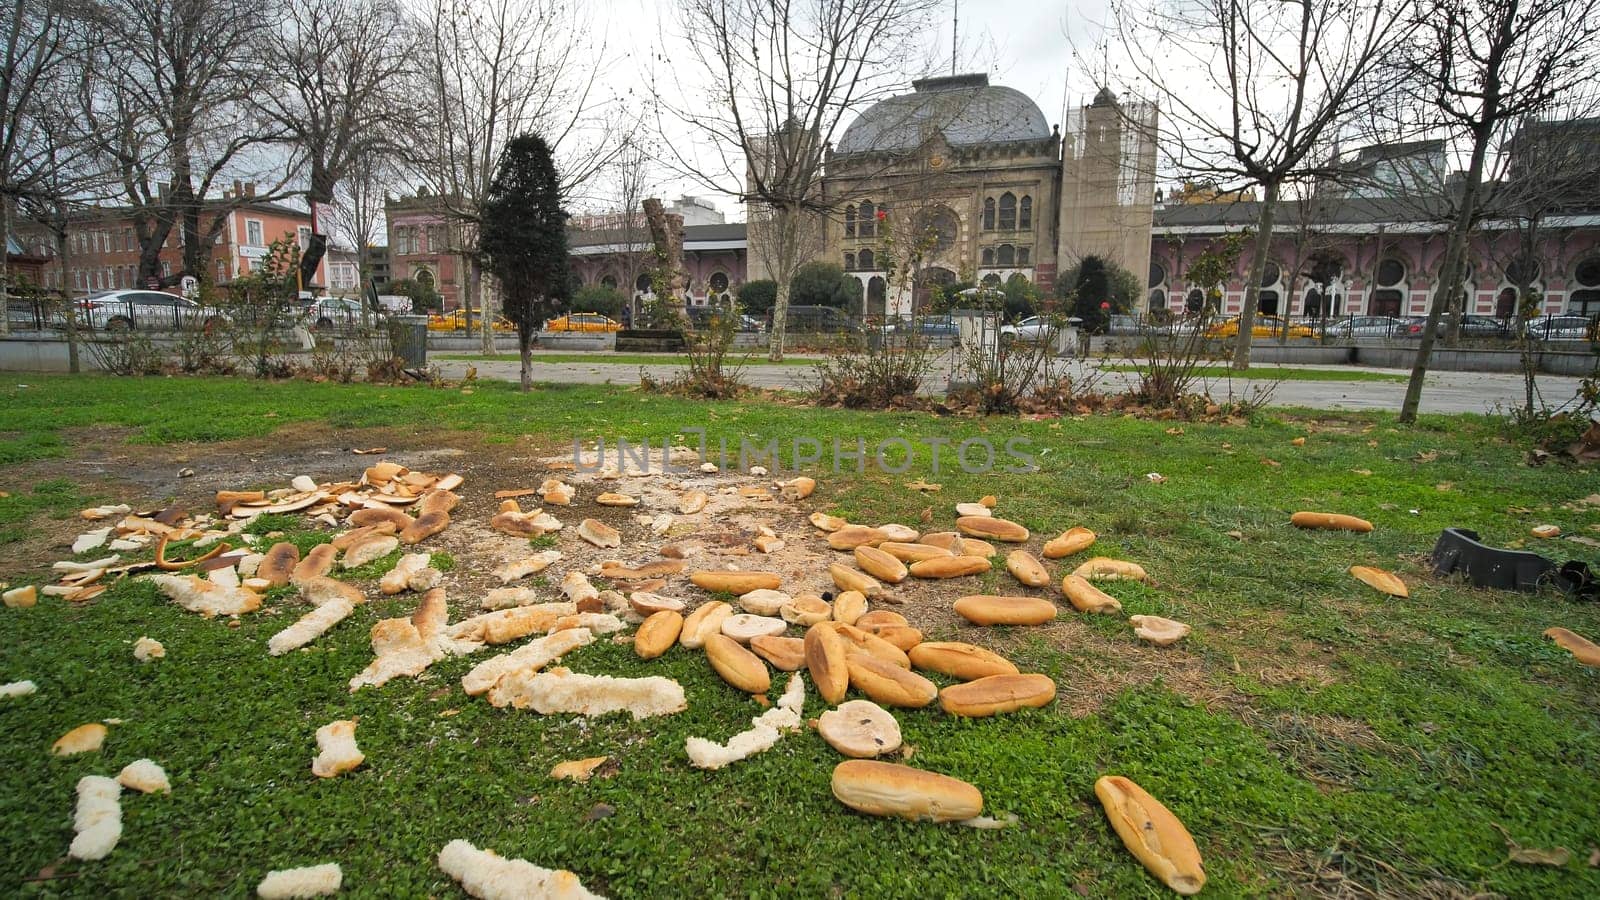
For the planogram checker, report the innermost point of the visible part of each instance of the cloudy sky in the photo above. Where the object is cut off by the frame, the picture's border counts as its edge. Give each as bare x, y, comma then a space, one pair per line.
1029, 45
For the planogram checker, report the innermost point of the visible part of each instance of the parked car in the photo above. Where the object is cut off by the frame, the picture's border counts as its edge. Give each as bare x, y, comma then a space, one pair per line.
927, 327
1364, 327
1561, 328
818, 320
456, 320
130, 310
1034, 329
1471, 326
1264, 327
702, 317
327, 313
583, 322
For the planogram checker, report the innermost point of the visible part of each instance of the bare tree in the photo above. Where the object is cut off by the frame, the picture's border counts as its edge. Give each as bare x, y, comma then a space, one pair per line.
1253, 88
500, 68
43, 64
1477, 68
357, 212
173, 116
349, 68
631, 181
783, 76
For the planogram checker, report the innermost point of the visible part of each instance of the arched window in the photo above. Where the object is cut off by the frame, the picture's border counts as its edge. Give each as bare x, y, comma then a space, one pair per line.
988, 214
1158, 274
866, 222
719, 282
1585, 297
1025, 214
865, 260
1389, 299
991, 280
609, 281
424, 279
1158, 299
1005, 255
1022, 256
849, 262
849, 221
642, 283
988, 256
1008, 211
1391, 272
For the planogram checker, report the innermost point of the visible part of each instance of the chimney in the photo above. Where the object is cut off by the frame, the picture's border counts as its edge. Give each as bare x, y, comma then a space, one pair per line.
238, 188
250, 189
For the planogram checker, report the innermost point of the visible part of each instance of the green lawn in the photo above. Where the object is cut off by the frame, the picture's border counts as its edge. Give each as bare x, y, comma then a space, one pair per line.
1314, 736
757, 358
1280, 373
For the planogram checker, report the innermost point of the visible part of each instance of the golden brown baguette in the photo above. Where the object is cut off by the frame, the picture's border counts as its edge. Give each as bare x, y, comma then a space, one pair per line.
997, 694
958, 660
425, 526
887, 789
849, 606
705, 621
1085, 597
988, 609
1152, 833
992, 528
910, 553
871, 643
903, 637
737, 666
736, 582
786, 654
1103, 568
1581, 648
887, 683
279, 563
879, 617
1329, 522
852, 536
880, 565
848, 579
1379, 580
657, 634
826, 653
1074, 540
1025, 568
373, 515
951, 567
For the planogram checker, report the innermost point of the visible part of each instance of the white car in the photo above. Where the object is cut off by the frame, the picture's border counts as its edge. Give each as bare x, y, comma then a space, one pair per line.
1034, 329
1364, 326
140, 310
1561, 328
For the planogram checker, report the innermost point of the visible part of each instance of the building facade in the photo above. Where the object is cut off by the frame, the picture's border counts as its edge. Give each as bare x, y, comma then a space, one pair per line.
425, 246
714, 261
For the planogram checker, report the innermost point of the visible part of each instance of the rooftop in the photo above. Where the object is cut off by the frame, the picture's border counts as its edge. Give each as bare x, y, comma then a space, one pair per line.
966, 109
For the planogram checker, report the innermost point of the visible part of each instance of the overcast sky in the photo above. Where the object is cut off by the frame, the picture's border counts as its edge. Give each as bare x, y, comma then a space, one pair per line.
1023, 44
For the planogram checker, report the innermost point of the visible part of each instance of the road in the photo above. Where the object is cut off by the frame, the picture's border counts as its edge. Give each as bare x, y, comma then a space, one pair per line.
1445, 392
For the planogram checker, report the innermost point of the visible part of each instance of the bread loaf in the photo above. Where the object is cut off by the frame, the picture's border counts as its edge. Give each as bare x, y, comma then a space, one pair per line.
744, 626
1073, 540
852, 536
826, 652
786, 654
706, 620
996, 694
806, 610
1377, 579
1104, 569
647, 604
880, 565
1152, 833
849, 606
1025, 568
425, 526
964, 661
887, 789
903, 534
657, 634
950, 567
737, 666
824, 522
871, 643
903, 637
848, 579
887, 683
987, 609
729, 582
279, 563
992, 528
1158, 631
1329, 522
860, 729
1582, 649
1085, 597
910, 553
879, 617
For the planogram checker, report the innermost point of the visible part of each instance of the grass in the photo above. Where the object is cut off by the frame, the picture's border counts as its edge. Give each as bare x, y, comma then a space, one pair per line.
1278, 373
758, 358
1313, 736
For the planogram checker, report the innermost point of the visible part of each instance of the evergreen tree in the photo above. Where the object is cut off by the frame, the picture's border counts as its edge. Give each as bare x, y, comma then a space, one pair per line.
1090, 291
522, 240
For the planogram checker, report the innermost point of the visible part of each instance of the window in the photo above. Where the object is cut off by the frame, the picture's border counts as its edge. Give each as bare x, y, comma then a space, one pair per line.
1522, 271
1585, 297
222, 271
609, 281
1158, 299
127, 240
1022, 256
1025, 214
849, 222
253, 235
642, 283
988, 256
166, 269
1391, 272
849, 262
719, 282
867, 222
988, 214
991, 280
1008, 212
1158, 273
866, 260
1270, 273
1005, 255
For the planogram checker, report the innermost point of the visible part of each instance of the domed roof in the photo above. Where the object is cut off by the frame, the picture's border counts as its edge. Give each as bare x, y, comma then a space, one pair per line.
967, 109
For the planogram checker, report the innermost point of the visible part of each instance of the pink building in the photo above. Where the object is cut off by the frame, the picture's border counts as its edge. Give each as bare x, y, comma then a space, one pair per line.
713, 259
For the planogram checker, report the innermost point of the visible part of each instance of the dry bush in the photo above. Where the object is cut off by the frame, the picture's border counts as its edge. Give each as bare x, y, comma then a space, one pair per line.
873, 375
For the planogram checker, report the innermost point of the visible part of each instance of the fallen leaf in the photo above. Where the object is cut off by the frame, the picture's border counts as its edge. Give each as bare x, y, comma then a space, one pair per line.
1426, 456
1594, 858
921, 485
1445, 486
1533, 856
1236, 535
927, 515
1372, 443
1227, 446
1271, 462
1298, 442
907, 751
369, 451
1362, 472
1155, 477
513, 494
1174, 431
447, 713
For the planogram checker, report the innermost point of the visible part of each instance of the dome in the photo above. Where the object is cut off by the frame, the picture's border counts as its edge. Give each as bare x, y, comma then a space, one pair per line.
967, 109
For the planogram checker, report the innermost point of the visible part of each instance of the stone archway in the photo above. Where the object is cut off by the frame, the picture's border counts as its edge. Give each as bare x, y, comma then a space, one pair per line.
926, 279
877, 296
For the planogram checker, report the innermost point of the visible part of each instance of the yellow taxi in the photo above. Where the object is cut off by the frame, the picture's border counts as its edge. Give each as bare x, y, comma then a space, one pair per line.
456, 320
582, 322
1264, 327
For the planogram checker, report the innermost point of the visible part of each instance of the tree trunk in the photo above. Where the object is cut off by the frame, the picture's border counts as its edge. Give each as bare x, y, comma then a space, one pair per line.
1448, 276
73, 365
485, 320
1252, 286
5, 273
788, 236
525, 348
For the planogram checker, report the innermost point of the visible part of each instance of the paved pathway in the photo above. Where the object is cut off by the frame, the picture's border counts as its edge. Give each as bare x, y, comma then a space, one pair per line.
1446, 392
